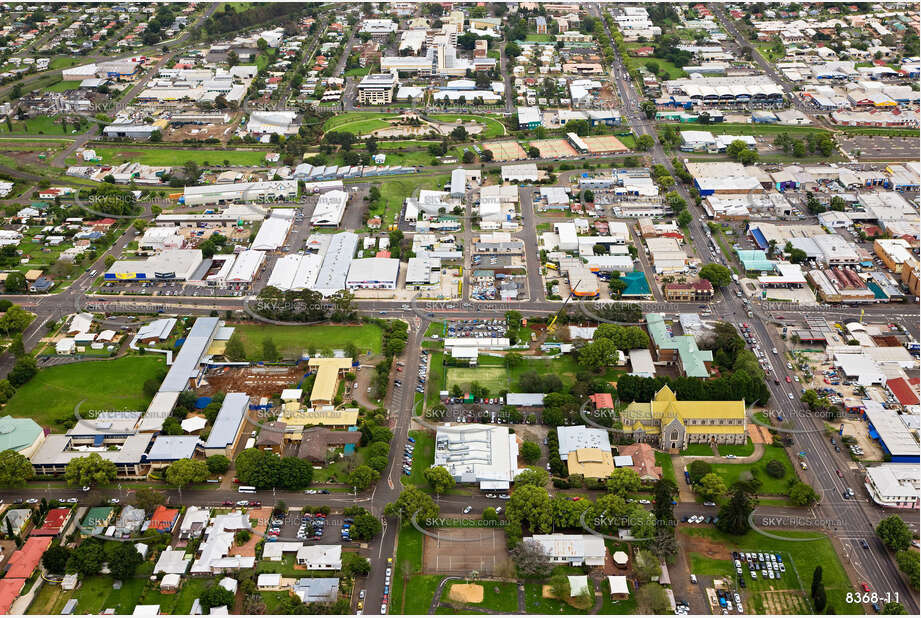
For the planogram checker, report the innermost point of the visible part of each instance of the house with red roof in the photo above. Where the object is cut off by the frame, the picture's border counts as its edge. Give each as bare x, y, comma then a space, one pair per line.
9, 591
101, 225
644, 461
644, 52
602, 400
55, 522
25, 560
163, 519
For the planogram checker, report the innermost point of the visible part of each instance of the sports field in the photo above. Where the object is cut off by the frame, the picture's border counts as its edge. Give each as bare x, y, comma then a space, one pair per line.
107, 385
493, 378
294, 341
604, 144
492, 127
358, 122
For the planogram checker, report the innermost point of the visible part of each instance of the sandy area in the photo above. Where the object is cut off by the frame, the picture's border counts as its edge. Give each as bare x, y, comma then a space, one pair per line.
466, 593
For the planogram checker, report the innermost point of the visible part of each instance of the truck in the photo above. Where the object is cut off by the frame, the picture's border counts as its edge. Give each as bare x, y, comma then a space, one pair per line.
735, 277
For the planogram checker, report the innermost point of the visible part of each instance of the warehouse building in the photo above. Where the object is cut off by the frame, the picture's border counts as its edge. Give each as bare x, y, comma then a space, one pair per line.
889, 428
329, 209
373, 274
336, 263
478, 454
524, 172
274, 230
295, 272
246, 266
170, 265
262, 191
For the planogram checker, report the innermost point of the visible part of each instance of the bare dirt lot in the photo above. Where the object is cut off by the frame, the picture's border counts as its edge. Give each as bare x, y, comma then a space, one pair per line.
466, 593
462, 550
254, 381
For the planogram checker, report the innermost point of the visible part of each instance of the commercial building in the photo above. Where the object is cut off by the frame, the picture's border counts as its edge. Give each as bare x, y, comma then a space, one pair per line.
674, 424
274, 230
524, 172
246, 266
272, 123
577, 437
377, 89
667, 255
700, 290
593, 463
22, 435
295, 272
373, 274
889, 428
172, 264
477, 453
529, 118
894, 485
262, 191
336, 263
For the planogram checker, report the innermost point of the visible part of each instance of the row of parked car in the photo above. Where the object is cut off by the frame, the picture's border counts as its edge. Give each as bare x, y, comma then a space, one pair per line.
770, 565
312, 526
408, 456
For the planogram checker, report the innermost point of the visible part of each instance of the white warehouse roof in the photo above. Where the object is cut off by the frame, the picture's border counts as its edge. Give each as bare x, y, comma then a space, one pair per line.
246, 266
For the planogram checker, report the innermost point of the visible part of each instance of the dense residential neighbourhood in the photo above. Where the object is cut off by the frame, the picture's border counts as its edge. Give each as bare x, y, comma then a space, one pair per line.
460, 308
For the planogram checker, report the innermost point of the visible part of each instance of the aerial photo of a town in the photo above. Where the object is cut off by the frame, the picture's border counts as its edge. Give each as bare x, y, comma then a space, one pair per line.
473, 308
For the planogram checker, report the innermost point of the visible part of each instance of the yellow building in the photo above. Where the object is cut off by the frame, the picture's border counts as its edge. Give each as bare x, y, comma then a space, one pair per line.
296, 418
592, 463
911, 276
327, 379
893, 252
675, 424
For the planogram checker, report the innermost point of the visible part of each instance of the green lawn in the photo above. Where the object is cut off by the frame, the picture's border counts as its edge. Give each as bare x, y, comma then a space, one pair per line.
406, 564
493, 378
395, 191
423, 458
405, 143
358, 72
535, 603
295, 341
723, 128
494, 128
538, 38
698, 450
64, 62
47, 125
770, 486
739, 450
800, 559
500, 597
880, 131
50, 396
664, 460
420, 590
177, 156
667, 70
492, 373
436, 378
357, 122
63, 86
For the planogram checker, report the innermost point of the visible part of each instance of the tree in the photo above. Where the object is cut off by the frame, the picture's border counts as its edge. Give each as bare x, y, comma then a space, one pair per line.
893, 608
124, 561
468, 157
711, 486
598, 354
216, 596
684, 218
185, 471
734, 514
816, 580
15, 320
530, 505
91, 470
646, 565
411, 502
617, 286
531, 560
533, 152
362, 477
55, 559
775, 469
439, 478
23, 371
530, 452
86, 559
653, 599
234, 351
717, 274
15, 469
532, 476
486, 156
909, 564
148, 499
623, 481
365, 527
242, 537
802, 494
217, 464
15, 283
698, 469
644, 142
269, 350
894, 533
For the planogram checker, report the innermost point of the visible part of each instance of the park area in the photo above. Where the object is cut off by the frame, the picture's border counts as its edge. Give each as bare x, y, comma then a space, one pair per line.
709, 553
294, 342
492, 373
177, 156
49, 398
98, 593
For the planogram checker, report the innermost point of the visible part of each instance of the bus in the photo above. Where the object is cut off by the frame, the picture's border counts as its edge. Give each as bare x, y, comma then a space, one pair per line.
246, 489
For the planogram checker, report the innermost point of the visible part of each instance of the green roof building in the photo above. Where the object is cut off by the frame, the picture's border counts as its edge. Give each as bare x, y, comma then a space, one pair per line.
22, 435
681, 350
755, 260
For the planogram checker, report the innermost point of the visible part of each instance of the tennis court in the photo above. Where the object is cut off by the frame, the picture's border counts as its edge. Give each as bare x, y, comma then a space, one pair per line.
506, 150
604, 144
554, 148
